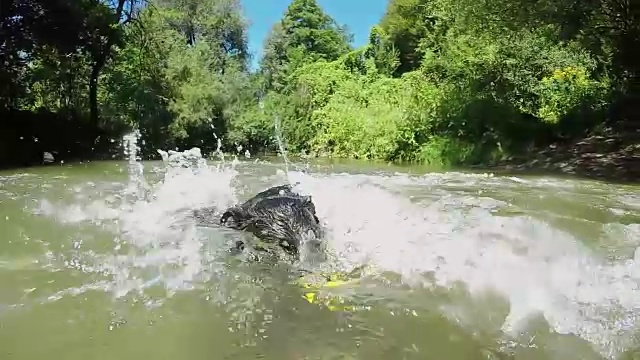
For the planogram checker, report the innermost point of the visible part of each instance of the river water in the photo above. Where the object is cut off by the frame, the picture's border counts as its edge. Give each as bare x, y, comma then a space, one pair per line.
97, 261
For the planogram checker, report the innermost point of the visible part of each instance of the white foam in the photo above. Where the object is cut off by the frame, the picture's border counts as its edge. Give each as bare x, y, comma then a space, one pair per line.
537, 268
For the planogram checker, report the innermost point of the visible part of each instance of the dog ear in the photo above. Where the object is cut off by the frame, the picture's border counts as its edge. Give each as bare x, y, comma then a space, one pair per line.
230, 213
224, 217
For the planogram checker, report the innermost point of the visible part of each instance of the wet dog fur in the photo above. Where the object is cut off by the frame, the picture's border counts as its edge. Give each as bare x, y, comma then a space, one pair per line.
277, 216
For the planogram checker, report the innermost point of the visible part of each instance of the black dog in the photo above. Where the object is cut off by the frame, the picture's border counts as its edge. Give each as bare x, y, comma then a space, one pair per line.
277, 216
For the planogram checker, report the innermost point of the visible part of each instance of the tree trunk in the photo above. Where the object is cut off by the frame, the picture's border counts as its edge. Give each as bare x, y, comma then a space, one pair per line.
99, 61
93, 94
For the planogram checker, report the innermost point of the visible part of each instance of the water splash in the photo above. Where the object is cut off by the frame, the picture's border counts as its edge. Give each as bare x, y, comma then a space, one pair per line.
458, 240
281, 146
137, 186
219, 149
438, 231
451, 238
187, 159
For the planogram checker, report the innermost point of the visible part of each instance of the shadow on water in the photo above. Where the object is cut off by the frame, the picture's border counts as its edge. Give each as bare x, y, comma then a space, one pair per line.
101, 261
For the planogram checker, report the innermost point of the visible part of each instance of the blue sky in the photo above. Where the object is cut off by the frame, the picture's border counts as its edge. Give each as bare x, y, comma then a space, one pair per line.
358, 15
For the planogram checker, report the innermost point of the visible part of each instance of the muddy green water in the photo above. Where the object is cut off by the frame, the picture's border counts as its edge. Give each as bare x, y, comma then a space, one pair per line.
97, 262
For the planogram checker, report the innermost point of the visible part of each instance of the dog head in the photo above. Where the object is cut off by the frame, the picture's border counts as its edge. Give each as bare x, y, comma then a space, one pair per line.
288, 221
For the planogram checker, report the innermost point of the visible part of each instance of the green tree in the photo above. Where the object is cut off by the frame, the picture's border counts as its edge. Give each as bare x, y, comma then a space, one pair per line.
106, 26
408, 23
441, 81
206, 70
305, 34
306, 26
274, 62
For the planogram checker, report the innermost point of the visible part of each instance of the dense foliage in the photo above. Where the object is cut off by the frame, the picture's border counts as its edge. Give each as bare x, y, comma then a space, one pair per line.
440, 81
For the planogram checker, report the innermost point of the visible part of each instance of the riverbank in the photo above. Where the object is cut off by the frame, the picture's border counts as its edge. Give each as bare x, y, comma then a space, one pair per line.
25, 137
610, 156
34, 156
